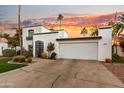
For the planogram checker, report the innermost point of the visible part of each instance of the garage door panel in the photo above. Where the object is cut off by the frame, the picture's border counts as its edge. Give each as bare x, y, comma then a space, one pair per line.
79, 51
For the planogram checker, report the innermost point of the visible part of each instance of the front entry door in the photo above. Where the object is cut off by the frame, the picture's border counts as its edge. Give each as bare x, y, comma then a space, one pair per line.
39, 47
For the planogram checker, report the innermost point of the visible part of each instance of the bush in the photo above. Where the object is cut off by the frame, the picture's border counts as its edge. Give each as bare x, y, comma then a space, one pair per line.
15, 59
44, 55
108, 60
29, 60
53, 55
50, 48
22, 59
19, 59
9, 52
25, 53
117, 58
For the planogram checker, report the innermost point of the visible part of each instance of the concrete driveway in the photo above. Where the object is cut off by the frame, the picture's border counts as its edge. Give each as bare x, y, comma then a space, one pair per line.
61, 74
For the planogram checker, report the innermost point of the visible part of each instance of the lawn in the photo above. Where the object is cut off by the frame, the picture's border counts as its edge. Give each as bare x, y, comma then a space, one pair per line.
5, 66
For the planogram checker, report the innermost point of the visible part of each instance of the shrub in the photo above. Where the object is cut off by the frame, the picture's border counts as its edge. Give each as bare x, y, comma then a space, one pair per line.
25, 53
29, 59
50, 48
108, 60
44, 55
9, 52
15, 59
53, 55
19, 59
117, 58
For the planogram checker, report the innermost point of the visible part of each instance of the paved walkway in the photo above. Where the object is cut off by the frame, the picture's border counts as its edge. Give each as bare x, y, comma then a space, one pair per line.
62, 74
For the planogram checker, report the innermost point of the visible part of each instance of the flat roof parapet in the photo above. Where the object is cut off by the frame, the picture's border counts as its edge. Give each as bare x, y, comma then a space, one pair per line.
79, 38
107, 27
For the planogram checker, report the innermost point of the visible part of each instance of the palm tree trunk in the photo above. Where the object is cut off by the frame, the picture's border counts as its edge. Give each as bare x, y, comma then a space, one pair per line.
60, 24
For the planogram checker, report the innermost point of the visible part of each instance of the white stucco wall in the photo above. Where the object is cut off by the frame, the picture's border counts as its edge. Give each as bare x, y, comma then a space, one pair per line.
46, 38
105, 44
37, 29
4, 45
62, 34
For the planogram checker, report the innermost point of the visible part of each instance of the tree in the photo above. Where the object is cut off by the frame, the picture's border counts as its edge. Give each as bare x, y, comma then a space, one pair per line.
95, 32
84, 31
118, 28
50, 48
12, 41
60, 18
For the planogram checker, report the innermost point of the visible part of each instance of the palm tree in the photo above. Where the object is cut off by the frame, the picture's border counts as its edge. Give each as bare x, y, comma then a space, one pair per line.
84, 31
60, 18
118, 27
95, 32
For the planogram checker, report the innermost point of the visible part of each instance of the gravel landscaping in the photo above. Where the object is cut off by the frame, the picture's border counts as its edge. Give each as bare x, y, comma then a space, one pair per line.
117, 69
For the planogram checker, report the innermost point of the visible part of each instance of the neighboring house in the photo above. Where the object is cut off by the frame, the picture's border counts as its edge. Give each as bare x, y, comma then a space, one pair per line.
3, 45
89, 48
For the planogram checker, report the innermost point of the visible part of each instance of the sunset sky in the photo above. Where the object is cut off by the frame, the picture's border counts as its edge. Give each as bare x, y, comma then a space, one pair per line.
45, 11
75, 16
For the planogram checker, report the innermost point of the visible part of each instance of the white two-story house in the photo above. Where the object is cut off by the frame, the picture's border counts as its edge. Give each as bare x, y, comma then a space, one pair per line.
36, 39
29, 31
27, 35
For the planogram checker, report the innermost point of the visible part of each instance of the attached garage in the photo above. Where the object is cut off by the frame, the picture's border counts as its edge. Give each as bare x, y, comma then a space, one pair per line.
79, 48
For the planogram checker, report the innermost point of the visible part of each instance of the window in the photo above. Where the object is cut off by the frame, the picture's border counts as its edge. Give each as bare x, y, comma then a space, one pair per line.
30, 33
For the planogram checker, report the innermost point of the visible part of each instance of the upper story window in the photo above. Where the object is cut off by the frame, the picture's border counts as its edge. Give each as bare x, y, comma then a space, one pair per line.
30, 33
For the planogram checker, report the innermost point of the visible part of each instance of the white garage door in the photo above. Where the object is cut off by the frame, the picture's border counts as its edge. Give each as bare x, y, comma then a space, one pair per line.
79, 51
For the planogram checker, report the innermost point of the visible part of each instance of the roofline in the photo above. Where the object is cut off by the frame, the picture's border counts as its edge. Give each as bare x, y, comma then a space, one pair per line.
36, 26
107, 27
31, 26
61, 30
46, 33
80, 38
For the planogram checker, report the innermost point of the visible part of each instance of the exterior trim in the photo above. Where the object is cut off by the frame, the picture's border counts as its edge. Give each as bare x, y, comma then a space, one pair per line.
35, 26
107, 27
82, 38
46, 33
31, 26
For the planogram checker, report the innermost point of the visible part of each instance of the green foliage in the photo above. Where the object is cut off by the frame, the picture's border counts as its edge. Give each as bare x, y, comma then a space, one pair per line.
118, 28
19, 59
29, 59
50, 48
60, 17
84, 31
117, 58
44, 55
122, 45
94, 32
13, 41
25, 53
9, 52
53, 55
